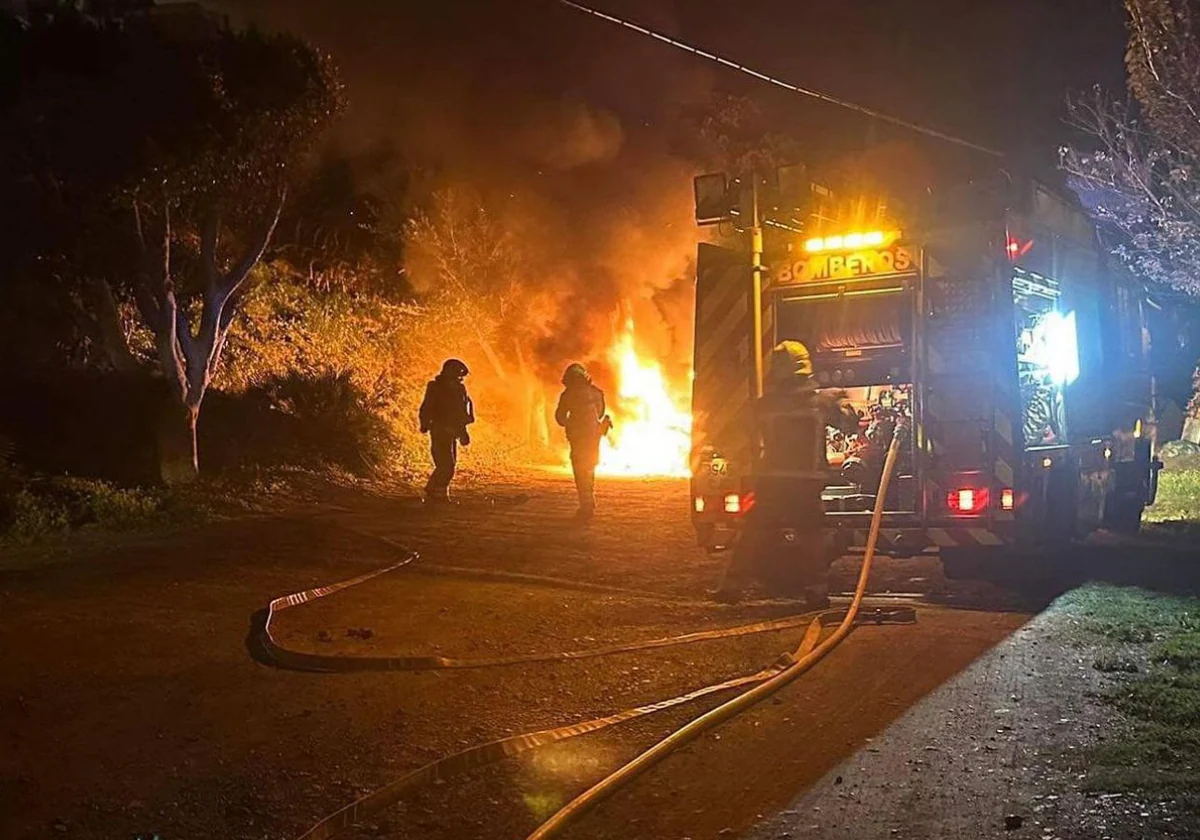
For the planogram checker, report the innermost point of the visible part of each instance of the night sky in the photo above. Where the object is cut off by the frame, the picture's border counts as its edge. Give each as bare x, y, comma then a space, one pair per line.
437, 76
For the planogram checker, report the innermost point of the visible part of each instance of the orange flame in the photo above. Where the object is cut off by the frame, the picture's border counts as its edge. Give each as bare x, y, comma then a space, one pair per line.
652, 434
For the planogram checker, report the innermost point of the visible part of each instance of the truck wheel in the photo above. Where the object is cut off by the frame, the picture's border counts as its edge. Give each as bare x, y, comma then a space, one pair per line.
1123, 515
968, 563
1001, 566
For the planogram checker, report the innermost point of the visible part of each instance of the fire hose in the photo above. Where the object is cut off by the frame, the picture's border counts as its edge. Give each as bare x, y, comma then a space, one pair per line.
807, 655
764, 683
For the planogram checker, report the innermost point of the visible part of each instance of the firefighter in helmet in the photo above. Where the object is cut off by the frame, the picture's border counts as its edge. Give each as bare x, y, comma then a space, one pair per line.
445, 413
580, 412
783, 541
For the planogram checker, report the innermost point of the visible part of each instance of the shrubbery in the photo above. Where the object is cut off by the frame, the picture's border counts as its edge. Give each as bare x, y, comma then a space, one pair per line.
39, 509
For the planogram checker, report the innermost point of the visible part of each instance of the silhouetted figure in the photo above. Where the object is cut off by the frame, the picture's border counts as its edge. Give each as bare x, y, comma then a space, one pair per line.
581, 412
446, 412
783, 540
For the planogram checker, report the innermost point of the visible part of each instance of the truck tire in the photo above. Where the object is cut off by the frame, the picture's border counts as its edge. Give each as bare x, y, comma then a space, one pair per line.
1134, 486
1123, 514
971, 563
1002, 567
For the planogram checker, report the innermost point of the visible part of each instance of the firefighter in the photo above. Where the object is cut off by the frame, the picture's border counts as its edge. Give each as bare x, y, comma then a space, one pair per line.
445, 413
783, 541
580, 412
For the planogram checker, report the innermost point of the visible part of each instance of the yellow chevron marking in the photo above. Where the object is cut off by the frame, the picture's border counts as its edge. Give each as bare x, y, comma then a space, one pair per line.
1004, 473
720, 296
1004, 427
717, 339
984, 537
940, 538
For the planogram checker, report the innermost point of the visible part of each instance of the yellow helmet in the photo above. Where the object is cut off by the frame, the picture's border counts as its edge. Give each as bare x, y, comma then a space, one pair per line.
790, 362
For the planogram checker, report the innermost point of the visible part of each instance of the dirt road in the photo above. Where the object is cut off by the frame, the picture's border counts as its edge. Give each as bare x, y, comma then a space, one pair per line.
129, 704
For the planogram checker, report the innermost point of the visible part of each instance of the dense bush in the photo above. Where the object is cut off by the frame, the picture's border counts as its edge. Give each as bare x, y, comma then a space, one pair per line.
37, 509
324, 420
102, 426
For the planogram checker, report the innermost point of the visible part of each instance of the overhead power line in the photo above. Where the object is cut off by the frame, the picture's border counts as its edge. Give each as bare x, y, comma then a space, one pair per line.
750, 71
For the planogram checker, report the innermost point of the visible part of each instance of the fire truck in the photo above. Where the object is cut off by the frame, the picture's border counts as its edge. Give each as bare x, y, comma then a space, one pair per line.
987, 331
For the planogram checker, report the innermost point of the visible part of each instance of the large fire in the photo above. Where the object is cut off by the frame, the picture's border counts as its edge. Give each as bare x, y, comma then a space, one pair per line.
652, 434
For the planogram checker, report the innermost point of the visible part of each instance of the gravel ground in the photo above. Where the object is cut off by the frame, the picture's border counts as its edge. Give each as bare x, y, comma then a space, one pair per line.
999, 751
129, 704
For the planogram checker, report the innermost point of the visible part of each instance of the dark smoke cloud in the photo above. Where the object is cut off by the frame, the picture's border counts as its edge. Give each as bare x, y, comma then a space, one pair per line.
561, 121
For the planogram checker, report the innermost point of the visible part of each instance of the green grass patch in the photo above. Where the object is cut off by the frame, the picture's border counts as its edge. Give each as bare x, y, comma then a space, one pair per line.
1131, 615
1178, 497
1115, 663
42, 509
1159, 753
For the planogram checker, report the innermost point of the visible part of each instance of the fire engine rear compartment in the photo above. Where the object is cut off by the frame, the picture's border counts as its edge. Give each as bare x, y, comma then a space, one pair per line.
860, 340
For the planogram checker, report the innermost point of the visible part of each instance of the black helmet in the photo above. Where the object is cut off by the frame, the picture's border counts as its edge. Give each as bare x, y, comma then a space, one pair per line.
454, 367
575, 371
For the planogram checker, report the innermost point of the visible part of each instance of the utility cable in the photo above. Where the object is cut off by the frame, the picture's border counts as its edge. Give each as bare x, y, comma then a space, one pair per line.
777, 82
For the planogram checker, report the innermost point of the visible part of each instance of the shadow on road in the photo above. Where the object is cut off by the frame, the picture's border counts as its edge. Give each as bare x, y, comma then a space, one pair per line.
1037, 579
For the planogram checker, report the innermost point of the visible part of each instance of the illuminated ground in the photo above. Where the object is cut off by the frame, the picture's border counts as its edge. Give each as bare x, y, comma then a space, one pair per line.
128, 703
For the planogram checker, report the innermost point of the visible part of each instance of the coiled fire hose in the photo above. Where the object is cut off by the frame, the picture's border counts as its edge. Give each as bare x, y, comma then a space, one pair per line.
787, 668
570, 812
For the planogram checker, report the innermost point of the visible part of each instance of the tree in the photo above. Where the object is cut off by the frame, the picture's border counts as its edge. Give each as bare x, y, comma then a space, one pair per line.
157, 161
1138, 170
469, 266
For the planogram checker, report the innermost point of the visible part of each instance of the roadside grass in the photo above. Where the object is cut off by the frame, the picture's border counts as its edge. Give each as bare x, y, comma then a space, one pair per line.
1178, 493
1152, 641
45, 509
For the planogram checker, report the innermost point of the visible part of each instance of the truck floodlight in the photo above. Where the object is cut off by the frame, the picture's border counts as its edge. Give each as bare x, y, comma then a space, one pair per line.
868, 239
713, 198
1062, 347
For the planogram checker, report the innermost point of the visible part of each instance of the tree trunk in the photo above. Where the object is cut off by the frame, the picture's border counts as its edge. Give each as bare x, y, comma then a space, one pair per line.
177, 458
1191, 430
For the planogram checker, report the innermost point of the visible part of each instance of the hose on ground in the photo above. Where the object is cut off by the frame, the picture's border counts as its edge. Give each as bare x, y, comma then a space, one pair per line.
574, 809
481, 755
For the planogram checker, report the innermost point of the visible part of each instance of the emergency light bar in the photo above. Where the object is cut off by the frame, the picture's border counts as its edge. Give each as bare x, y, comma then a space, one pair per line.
869, 239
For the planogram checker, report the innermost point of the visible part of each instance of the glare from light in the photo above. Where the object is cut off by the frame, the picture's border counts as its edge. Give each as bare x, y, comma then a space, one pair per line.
875, 237
1047, 463
733, 503
966, 499
855, 240
699, 504
1062, 347
813, 245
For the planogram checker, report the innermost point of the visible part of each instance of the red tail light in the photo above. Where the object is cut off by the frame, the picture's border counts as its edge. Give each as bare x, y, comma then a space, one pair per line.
1007, 499
967, 500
